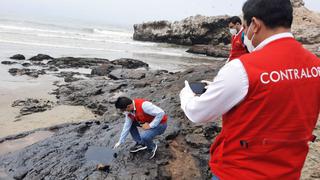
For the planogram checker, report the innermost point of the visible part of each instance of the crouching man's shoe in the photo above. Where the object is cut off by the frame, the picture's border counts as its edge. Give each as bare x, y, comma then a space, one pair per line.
138, 147
153, 151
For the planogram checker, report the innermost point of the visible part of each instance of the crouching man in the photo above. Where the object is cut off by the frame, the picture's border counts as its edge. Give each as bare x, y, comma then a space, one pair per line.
141, 113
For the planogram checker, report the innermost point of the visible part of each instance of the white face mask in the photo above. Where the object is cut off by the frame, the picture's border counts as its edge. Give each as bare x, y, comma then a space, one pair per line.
233, 31
248, 42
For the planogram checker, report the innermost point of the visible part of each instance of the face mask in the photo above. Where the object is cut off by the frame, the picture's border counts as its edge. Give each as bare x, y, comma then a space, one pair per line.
233, 31
248, 42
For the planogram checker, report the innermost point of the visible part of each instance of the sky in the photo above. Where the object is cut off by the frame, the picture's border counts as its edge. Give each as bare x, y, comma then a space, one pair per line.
121, 12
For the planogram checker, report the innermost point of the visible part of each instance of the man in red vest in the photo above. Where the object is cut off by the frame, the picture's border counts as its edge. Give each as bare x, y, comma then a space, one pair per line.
269, 99
150, 117
236, 30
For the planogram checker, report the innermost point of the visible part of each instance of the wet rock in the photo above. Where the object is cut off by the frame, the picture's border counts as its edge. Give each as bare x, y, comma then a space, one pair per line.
130, 63
192, 30
141, 84
29, 72
71, 79
30, 106
8, 62
38, 63
69, 76
103, 70
74, 62
20, 174
127, 74
52, 68
67, 73
98, 175
196, 140
26, 64
209, 50
40, 57
173, 131
18, 57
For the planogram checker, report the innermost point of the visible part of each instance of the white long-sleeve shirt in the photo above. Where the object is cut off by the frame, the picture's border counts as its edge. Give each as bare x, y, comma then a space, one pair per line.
148, 108
228, 88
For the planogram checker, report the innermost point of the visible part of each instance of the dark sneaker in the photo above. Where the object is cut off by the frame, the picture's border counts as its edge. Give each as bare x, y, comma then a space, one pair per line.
138, 147
153, 151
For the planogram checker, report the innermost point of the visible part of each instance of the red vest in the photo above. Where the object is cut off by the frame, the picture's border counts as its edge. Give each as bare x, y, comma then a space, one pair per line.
237, 47
141, 116
266, 135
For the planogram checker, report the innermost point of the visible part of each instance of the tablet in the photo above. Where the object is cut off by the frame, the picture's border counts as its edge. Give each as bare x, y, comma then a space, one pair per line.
198, 87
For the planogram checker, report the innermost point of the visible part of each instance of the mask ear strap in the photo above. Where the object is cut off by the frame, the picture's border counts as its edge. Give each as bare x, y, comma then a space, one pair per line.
249, 30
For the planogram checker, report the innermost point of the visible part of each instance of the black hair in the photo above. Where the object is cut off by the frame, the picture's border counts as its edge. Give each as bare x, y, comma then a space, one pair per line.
123, 102
234, 20
273, 13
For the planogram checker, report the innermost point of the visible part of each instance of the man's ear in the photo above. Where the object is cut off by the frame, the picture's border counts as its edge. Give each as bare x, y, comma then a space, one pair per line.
130, 107
256, 25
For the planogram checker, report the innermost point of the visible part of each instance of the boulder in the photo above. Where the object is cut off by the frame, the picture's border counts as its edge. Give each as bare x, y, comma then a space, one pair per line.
18, 57
102, 70
29, 105
52, 68
130, 63
40, 57
29, 72
127, 74
75, 62
8, 62
26, 64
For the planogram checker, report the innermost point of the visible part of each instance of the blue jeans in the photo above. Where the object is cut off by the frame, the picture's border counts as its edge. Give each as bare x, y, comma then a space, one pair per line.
147, 136
214, 177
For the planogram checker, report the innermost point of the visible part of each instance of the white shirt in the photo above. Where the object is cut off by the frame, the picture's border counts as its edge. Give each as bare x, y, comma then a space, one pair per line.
148, 108
228, 89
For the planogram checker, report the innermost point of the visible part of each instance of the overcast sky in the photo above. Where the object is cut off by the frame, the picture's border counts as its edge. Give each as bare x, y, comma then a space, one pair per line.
121, 12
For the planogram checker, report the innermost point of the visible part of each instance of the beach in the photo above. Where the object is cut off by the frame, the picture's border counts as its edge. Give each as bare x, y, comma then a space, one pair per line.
59, 82
30, 38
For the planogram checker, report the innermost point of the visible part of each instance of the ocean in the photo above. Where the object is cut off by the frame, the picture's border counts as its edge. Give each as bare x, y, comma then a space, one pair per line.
81, 40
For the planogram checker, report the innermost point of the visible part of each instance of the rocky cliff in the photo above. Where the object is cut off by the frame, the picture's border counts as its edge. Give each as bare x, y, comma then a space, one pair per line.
192, 30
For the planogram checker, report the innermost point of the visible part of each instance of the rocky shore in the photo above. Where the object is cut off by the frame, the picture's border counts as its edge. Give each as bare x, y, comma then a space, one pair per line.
183, 149
62, 156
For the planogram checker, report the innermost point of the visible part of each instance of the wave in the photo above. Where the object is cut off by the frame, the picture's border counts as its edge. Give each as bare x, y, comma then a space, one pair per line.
111, 32
19, 28
114, 39
80, 31
100, 40
97, 49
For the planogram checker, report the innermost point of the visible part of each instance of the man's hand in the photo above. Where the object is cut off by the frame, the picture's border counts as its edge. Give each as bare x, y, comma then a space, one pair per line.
116, 145
207, 83
146, 126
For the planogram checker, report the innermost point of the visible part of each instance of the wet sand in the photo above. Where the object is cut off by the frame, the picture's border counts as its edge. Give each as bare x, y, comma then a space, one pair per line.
14, 145
20, 87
